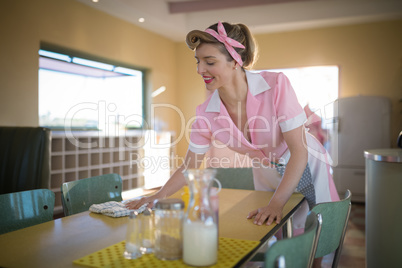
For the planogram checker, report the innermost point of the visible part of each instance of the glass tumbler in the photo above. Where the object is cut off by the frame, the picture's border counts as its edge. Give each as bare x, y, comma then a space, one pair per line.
147, 231
132, 250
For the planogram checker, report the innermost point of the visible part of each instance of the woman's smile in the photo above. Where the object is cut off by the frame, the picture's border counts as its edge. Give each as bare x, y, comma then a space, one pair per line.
208, 79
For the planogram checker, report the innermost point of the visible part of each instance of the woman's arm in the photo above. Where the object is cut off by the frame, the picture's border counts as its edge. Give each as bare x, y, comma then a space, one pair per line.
296, 141
175, 183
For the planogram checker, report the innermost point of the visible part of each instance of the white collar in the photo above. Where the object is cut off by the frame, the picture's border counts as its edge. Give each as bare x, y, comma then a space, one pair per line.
256, 85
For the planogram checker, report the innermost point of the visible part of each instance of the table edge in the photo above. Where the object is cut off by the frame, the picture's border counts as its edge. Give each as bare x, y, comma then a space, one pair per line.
274, 230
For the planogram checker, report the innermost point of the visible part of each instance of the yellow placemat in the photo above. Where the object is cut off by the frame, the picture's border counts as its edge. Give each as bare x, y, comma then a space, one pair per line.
230, 252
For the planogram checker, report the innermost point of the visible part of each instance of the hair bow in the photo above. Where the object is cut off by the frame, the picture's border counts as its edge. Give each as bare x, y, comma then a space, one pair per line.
229, 43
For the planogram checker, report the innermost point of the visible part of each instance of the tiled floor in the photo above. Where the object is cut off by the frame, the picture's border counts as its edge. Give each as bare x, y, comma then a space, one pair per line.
354, 249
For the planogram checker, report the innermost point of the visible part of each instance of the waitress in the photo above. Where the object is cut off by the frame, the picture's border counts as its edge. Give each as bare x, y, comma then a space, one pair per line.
256, 114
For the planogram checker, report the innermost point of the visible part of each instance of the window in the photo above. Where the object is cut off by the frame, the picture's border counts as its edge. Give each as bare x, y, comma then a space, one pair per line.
315, 86
83, 93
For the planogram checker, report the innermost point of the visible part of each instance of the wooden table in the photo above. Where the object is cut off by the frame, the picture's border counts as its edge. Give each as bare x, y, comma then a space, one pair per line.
58, 243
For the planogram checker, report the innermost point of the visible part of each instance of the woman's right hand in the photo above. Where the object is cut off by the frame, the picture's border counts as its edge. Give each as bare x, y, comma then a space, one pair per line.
137, 203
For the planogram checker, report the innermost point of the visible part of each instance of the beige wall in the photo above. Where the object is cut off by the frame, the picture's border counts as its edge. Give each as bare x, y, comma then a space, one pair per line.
369, 56
25, 24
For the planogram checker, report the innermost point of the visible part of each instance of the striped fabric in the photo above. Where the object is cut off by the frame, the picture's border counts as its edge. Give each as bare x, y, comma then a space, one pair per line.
114, 209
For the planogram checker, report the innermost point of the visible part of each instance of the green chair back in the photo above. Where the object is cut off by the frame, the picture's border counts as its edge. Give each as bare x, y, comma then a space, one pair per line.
235, 178
78, 196
23, 209
296, 251
24, 159
335, 217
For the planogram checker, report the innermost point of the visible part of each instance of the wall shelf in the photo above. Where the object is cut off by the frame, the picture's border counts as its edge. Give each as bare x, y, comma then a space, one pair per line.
88, 154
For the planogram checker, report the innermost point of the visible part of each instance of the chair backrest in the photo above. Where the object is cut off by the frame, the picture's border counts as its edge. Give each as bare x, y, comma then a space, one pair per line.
296, 251
23, 209
78, 196
335, 217
235, 178
24, 159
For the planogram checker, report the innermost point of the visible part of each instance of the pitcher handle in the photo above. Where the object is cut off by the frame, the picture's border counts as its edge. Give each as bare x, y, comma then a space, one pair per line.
219, 185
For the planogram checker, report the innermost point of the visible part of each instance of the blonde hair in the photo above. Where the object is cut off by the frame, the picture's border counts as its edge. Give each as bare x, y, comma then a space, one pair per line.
238, 32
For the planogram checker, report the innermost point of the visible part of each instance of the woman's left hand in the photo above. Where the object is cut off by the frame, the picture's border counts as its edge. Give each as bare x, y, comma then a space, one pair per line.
294, 170
269, 213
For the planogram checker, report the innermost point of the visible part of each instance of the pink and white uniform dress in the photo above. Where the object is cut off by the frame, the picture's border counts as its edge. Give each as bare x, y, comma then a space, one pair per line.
272, 109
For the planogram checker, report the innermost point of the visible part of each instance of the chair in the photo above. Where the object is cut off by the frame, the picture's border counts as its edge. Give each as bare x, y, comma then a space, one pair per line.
24, 159
296, 251
235, 178
26, 208
78, 196
335, 217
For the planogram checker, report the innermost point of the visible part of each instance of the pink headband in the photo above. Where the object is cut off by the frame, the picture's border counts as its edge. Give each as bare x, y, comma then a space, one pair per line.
229, 43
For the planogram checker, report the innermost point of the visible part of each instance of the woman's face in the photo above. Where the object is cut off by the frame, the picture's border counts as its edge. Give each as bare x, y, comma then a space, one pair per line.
213, 66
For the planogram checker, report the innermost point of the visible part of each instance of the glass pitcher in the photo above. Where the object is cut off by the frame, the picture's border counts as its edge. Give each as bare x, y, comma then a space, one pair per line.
200, 228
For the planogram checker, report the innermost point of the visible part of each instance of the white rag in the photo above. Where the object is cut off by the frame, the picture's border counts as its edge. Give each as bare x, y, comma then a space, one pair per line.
114, 209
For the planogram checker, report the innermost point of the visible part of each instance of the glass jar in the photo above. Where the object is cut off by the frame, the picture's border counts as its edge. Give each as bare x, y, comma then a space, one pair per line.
200, 228
168, 228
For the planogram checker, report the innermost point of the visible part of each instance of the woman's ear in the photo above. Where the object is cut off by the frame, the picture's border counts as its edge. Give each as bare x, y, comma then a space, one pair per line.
236, 65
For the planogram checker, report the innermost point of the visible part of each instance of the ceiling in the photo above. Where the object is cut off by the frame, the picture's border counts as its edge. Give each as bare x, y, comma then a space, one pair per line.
174, 18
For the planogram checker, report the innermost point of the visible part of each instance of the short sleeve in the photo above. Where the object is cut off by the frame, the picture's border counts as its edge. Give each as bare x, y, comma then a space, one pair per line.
200, 137
289, 111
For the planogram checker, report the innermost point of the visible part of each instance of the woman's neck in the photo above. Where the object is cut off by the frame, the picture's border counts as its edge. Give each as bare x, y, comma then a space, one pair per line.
236, 92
